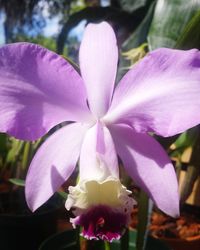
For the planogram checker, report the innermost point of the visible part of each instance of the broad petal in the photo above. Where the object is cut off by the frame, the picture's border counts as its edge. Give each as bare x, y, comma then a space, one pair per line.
98, 62
149, 166
38, 89
98, 159
53, 164
160, 94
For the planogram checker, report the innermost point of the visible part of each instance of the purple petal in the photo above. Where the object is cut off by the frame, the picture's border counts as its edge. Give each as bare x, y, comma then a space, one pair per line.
38, 89
149, 166
160, 94
98, 159
53, 164
98, 63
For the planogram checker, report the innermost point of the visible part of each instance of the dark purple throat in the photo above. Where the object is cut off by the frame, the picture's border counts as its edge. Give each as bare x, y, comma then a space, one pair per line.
102, 222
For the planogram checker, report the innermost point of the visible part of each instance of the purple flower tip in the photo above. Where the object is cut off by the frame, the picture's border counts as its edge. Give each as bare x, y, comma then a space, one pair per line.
102, 222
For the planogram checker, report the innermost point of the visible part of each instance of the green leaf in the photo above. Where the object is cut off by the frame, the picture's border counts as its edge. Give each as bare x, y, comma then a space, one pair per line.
169, 21
132, 5
184, 141
188, 138
192, 172
139, 36
190, 177
190, 38
166, 142
18, 182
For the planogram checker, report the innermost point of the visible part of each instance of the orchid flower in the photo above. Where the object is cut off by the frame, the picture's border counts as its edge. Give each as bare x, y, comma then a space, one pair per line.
161, 94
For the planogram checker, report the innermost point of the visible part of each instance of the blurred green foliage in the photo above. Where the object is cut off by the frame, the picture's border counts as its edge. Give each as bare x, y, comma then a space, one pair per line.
169, 20
46, 42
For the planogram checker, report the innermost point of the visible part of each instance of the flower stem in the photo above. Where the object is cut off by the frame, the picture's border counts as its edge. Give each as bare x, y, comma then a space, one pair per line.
143, 212
124, 242
26, 155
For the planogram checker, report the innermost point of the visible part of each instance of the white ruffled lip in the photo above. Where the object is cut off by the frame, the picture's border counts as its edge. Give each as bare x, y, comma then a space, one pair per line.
89, 193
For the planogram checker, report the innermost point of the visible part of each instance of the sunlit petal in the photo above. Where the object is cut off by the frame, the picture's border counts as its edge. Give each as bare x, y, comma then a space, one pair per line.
149, 166
98, 62
53, 164
160, 93
38, 90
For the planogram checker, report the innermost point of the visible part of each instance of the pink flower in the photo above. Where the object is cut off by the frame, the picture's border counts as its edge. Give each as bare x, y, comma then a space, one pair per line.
160, 94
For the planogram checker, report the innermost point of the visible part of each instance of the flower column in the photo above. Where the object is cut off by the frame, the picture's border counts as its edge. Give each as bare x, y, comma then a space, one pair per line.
102, 205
